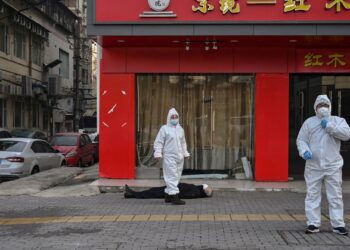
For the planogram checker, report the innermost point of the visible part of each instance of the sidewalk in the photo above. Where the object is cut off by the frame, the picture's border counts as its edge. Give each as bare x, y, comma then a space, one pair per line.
34, 184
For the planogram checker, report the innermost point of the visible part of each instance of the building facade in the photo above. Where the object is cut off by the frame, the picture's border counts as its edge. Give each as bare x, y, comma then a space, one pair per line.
242, 74
37, 73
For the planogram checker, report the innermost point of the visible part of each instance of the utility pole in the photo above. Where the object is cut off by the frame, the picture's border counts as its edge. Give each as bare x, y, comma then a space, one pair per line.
77, 59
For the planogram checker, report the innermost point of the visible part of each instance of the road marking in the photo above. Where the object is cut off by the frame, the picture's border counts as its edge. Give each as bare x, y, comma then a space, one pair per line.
249, 218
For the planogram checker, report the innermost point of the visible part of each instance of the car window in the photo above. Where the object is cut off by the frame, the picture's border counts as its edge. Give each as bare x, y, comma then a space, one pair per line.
4, 134
37, 147
46, 147
82, 141
97, 138
64, 140
24, 133
87, 139
12, 146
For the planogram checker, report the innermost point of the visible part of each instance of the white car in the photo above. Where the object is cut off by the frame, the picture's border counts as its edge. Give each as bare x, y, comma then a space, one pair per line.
21, 157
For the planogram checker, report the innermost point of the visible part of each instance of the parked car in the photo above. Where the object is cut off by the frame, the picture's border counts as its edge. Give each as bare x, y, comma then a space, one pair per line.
28, 133
96, 147
77, 148
4, 133
21, 157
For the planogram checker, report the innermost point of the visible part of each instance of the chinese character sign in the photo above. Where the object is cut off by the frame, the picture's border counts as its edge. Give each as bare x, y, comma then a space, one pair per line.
323, 61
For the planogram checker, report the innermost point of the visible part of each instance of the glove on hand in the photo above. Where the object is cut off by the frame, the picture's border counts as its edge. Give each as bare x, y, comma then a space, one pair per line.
307, 155
324, 123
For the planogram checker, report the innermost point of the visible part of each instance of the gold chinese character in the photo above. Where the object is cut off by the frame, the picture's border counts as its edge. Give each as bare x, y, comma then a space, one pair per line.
296, 5
313, 60
203, 7
339, 3
229, 5
336, 58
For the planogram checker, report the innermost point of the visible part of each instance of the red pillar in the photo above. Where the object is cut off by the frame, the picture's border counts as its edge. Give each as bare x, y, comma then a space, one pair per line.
271, 127
117, 126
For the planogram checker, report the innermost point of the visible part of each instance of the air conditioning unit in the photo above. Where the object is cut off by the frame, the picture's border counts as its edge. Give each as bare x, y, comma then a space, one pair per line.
55, 85
27, 86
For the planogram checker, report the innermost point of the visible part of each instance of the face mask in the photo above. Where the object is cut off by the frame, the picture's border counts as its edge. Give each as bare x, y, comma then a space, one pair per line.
323, 111
174, 122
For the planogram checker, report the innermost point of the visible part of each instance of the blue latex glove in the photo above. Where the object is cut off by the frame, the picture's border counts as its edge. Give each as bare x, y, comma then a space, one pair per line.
307, 155
324, 123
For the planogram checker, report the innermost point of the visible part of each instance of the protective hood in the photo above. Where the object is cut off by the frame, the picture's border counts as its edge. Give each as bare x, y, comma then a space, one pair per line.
171, 112
322, 99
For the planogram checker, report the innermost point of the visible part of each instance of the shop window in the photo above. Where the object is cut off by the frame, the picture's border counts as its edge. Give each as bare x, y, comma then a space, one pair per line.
20, 44
37, 52
3, 38
216, 112
64, 66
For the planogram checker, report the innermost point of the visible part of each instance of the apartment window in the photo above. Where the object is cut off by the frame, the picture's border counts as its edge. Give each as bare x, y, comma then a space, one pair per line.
20, 45
3, 38
18, 115
84, 76
64, 66
36, 51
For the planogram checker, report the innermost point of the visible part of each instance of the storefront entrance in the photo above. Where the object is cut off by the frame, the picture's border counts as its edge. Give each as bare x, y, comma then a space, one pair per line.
303, 92
216, 112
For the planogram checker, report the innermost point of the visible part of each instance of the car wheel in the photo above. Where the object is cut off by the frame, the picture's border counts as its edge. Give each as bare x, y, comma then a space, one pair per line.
35, 170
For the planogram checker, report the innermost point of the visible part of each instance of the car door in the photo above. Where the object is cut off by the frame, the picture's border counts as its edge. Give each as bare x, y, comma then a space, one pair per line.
89, 148
82, 149
40, 155
53, 159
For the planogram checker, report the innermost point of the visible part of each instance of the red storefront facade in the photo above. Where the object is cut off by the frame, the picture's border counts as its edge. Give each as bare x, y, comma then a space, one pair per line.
271, 40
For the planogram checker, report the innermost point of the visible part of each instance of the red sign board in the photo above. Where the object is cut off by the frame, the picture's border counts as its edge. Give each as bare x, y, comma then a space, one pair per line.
332, 60
206, 11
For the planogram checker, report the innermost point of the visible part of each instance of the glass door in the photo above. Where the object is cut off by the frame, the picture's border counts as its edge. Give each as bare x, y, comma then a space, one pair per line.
304, 90
216, 112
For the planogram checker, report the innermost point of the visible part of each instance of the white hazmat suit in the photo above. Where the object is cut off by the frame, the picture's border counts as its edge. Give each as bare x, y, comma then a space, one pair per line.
170, 144
325, 164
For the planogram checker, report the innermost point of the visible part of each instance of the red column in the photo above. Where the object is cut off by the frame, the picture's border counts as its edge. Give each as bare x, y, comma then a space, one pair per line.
271, 127
117, 126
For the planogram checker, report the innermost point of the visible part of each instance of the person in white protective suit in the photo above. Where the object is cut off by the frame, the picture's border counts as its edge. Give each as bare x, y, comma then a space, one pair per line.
170, 146
319, 142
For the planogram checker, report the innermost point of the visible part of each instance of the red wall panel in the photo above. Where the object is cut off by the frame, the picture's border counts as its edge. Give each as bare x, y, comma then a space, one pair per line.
271, 127
266, 60
117, 126
114, 60
148, 60
197, 60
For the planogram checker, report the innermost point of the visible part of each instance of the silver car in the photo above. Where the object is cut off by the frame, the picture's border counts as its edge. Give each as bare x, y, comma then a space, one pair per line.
21, 157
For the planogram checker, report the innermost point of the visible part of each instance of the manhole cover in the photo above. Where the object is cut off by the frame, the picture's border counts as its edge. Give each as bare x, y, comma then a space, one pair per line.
318, 239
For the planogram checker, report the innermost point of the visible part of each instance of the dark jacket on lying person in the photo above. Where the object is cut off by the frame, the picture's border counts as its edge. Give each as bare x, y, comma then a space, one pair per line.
187, 191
